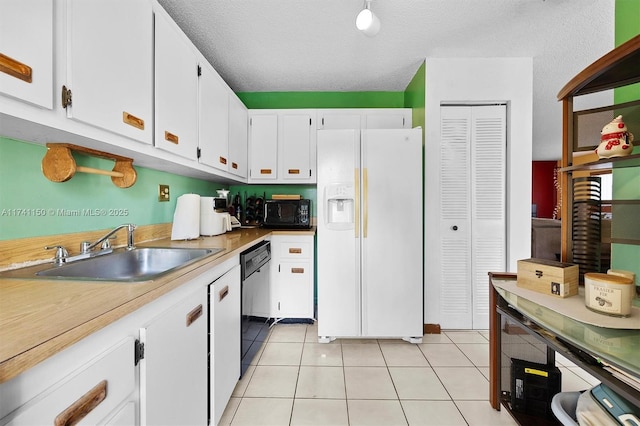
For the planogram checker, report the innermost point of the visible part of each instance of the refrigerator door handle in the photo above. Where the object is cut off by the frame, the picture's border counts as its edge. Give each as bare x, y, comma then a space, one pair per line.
365, 202
356, 179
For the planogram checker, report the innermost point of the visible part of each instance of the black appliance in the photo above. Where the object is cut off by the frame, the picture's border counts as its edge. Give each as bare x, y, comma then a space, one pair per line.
287, 214
533, 386
254, 269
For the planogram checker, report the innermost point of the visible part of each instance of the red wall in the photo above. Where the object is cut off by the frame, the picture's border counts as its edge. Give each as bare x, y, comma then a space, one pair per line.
543, 192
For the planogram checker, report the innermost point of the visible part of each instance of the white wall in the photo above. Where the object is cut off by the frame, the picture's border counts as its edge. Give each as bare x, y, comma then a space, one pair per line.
475, 80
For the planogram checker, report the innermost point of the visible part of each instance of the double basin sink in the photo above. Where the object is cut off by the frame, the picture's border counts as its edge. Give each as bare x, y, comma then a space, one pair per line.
138, 264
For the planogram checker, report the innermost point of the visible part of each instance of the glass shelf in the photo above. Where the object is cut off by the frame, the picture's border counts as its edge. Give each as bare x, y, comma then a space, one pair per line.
606, 164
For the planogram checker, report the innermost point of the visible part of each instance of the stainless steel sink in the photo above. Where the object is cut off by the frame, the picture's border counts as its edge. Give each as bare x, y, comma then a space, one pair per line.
139, 264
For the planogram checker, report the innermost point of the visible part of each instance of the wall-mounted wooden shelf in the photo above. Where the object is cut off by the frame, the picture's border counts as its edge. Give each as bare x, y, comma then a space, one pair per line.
58, 165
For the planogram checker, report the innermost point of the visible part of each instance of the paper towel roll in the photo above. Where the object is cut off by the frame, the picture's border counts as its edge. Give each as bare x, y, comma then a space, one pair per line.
186, 218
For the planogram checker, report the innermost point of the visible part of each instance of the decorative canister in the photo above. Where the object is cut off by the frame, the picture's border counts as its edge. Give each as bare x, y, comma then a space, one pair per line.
608, 293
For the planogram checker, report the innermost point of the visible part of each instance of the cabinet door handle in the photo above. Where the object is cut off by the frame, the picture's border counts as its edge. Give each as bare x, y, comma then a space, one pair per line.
132, 120
294, 171
194, 315
15, 68
356, 180
297, 270
223, 293
265, 171
170, 137
365, 202
234, 165
295, 250
83, 406
222, 160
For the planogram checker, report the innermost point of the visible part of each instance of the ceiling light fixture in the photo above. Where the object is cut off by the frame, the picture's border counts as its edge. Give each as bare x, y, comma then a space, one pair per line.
366, 21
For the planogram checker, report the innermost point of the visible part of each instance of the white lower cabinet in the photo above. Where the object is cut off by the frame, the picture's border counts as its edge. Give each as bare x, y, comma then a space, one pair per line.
88, 396
292, 272
224, 329
173, 379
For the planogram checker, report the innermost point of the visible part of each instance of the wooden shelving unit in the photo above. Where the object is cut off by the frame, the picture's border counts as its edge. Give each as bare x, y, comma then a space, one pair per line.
620, 67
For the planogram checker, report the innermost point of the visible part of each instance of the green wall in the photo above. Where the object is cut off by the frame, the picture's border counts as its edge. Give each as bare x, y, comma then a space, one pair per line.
414, 97
626, 182
290, 100
31, 205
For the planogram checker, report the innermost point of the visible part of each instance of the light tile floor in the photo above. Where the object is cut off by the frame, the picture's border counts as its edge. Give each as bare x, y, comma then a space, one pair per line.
444, 381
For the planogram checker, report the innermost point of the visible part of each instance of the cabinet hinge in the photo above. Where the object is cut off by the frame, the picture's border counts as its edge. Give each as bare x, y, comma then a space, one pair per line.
66, 96
138, 351
199, 70
198, 152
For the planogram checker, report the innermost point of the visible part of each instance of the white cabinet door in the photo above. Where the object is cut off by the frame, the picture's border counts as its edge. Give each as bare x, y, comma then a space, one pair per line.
109, 71
238, 136
224, 300
297, 148
176, 90
88, 396
173, 373
292, 276
213, 137
263, 147
26, 50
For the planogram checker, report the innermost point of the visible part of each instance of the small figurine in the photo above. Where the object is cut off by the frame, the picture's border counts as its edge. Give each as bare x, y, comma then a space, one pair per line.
615, 141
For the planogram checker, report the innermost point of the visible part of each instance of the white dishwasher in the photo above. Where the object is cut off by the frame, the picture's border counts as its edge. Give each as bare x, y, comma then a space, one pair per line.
224, 341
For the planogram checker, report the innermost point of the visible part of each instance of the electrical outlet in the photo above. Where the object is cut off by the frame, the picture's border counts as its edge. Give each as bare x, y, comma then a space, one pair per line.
163, 193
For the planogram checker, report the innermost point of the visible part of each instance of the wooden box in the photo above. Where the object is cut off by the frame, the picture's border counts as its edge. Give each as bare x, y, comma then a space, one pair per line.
548, 277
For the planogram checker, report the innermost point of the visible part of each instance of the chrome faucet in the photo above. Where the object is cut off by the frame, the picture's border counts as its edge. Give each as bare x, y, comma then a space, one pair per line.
86, 246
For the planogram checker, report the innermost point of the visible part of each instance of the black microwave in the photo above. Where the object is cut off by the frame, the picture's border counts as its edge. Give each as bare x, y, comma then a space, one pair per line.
287, 214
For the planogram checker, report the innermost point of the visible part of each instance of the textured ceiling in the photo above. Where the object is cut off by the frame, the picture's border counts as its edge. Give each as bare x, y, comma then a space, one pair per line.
313, 45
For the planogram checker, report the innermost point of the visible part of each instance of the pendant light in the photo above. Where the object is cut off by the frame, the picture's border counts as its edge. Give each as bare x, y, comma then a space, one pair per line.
366, 21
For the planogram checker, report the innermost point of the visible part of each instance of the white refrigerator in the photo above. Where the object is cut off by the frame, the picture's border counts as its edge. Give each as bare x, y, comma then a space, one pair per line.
370, 250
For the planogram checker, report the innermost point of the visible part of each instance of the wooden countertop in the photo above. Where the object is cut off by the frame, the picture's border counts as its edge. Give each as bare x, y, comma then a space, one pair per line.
39, 318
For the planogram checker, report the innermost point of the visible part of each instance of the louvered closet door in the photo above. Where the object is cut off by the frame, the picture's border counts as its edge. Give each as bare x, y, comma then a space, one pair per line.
455, 218
488, 204
472, 211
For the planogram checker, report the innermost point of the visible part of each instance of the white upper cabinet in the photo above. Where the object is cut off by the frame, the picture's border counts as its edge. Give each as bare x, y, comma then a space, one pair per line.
297, 147
110, 65
282, 146
26, 50
214, 119
364, 118
399, 118
238, 137
263, 147
176, 90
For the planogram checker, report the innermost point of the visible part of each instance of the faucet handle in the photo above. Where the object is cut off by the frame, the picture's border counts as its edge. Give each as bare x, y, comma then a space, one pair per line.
84, 246
106, 244
61, 254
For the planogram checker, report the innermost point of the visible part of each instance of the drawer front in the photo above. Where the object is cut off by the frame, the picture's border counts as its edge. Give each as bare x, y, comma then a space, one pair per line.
295, 250
86, 397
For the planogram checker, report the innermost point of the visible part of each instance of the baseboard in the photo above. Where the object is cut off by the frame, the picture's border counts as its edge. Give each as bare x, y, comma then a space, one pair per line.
431, 329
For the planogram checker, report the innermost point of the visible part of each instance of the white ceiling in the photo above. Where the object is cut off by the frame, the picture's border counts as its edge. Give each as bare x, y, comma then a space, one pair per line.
313, 45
